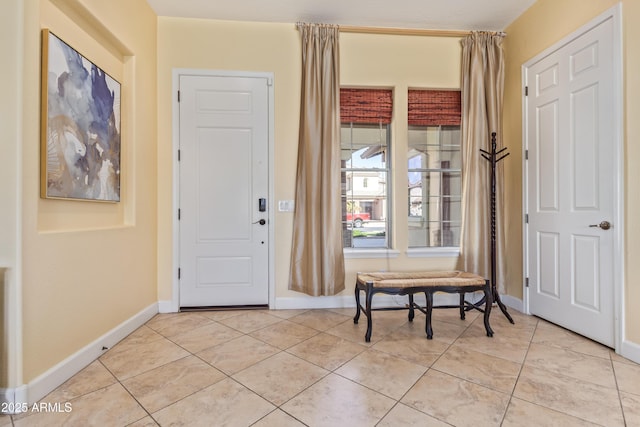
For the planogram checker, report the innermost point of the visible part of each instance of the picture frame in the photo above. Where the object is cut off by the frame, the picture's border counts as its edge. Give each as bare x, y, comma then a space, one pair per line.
80, 151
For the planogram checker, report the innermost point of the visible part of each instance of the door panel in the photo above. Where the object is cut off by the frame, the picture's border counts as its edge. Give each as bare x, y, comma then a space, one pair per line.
547, 173
585, 148
223, 173
229, 204
586, 261
548, 261
570, 185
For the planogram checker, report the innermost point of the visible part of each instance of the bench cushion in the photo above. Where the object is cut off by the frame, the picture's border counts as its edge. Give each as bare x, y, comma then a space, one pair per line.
386, 279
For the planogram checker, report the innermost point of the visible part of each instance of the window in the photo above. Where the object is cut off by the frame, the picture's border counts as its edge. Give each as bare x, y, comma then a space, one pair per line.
434, 169
365, 141
365, 172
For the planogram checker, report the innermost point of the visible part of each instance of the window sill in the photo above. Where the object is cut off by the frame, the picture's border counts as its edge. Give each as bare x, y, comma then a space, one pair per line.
433, 252
370, 253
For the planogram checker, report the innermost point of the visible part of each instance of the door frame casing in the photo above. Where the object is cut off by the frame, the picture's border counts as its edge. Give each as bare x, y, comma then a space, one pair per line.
615, 14
175, 146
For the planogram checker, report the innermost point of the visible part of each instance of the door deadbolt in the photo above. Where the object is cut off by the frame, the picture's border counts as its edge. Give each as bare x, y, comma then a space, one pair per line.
605, 225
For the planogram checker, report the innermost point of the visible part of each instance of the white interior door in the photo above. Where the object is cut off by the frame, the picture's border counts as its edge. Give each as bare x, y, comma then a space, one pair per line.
224, 174
571, 184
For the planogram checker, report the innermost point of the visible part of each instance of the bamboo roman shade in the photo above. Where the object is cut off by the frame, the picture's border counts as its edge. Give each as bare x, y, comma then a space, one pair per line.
434, 107
366, 105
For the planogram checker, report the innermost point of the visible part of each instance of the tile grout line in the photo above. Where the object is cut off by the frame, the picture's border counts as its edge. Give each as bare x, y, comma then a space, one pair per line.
190, 353
515, 384
226, 376
329, 372
129, 392
137, 401
430, 367
537, 403
615, 378
279, 407
446, 373
333, 371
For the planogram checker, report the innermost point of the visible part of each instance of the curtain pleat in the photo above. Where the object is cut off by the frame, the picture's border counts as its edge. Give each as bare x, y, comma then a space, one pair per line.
317, 260
482, 98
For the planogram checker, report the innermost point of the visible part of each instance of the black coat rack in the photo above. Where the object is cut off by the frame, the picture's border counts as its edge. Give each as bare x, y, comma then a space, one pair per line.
494, 157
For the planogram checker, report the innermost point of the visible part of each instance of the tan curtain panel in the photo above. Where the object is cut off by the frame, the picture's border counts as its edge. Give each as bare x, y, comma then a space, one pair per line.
317, 260
482, 97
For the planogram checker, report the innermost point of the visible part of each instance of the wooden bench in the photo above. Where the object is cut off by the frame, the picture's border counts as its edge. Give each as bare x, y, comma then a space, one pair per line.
427, 282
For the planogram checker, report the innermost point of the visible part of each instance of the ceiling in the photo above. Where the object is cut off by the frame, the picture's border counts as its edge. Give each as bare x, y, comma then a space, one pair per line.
488, 15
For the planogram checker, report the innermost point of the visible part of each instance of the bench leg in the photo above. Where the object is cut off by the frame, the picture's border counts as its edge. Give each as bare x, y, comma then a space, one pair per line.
357, 317
462, 305
369, 297
428, 329
412, 313
487, 309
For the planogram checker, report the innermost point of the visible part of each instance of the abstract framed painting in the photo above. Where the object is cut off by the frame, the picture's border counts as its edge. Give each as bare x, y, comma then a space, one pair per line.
80, 126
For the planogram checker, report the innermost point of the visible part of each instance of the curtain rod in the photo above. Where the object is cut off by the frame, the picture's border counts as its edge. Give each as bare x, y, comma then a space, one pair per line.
403, 31
407, 31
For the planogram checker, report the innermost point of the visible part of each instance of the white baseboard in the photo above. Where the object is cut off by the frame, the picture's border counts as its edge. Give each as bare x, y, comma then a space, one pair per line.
12, 399
54, 377
167, 307
297, 303
513, 302
630, 350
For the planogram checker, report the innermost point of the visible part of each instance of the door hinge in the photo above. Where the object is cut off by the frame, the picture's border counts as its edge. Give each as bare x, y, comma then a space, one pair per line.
526, 154
526, 282
178, 155
526, 218
179, 214
179, 272
526, 91
178, 96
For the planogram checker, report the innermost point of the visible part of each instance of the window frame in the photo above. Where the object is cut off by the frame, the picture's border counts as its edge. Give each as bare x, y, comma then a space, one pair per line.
370, 252
440, 197
429, 108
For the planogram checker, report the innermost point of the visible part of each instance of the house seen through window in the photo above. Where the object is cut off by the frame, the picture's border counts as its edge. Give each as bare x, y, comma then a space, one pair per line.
365, 143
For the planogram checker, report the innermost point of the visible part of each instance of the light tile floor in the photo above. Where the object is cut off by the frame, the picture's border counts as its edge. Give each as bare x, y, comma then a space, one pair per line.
313, 367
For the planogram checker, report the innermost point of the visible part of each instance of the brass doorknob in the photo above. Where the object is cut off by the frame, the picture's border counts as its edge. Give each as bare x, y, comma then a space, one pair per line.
605, 225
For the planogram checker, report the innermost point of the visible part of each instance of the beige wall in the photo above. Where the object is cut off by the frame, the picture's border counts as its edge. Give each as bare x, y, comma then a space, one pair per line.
9, 118
397, 62
4, 377
88, 267
631, 12
545, 23
10, 47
